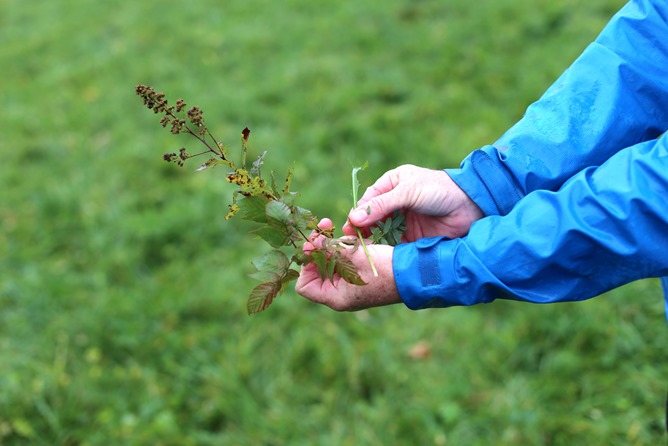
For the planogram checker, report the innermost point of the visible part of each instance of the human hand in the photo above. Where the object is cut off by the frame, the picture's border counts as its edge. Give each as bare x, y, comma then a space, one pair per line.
340, 295
433, 204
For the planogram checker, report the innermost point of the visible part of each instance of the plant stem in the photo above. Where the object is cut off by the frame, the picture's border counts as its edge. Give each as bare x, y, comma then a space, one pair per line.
359, 232
202, 140
366, 251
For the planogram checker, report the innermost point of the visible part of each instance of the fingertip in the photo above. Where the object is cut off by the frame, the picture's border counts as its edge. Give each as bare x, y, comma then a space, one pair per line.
348, 229
358, 216
325, 223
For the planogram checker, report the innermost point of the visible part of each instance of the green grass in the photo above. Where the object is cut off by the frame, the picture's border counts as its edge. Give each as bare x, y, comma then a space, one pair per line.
122, 290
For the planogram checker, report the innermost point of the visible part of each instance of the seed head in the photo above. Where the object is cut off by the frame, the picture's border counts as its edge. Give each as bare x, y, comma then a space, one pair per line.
180, 105
195, 116
177, 124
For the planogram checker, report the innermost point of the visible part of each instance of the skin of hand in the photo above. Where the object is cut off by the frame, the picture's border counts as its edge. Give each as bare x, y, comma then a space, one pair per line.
432, 203
342, 296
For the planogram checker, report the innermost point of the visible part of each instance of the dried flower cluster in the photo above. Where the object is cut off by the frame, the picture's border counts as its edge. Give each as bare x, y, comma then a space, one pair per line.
173, 117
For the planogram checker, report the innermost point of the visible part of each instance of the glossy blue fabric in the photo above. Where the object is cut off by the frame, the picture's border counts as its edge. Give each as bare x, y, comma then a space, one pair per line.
575, 194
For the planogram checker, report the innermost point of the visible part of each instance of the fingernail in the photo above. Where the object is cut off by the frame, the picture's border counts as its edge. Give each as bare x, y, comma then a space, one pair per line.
358, 215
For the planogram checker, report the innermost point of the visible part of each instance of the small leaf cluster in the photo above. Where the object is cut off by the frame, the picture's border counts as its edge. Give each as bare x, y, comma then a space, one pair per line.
271, 207
390, 231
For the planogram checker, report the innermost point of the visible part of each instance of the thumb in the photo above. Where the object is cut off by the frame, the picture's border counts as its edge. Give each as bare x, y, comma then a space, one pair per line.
377, 208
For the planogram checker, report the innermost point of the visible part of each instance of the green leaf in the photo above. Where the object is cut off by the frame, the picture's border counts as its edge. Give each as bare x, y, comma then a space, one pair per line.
397, 229
265, 276
264, 293
387, 226
356, 183
253, 208
390, 231
289, 199
319, 259
278, 212
303, 219
274, 261
300, 258
331, 266
274, 187
262, 296
289, 276
275, 237
279, 219
399, 220
275, 274
376, 235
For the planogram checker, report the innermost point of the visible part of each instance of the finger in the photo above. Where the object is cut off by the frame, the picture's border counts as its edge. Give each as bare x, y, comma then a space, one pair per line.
316, 239
307, 247
325, 223
349, 229
379, 207
307, 282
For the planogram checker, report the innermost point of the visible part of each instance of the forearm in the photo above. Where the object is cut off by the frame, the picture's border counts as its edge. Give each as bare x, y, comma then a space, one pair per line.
613, 96
607, 226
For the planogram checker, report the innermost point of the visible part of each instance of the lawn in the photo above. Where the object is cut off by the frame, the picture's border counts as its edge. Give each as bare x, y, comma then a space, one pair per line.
122, 288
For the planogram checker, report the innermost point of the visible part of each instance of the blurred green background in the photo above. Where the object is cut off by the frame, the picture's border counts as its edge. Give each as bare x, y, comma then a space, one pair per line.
122, 290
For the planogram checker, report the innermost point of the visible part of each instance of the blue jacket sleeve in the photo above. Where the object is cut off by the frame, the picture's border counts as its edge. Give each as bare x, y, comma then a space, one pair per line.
613, 96
605, 227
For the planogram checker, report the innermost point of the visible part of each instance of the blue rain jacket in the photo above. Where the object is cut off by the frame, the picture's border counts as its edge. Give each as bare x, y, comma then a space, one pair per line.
575, 194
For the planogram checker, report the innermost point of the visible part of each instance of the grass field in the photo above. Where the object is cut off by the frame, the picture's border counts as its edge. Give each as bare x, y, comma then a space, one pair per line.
122, 290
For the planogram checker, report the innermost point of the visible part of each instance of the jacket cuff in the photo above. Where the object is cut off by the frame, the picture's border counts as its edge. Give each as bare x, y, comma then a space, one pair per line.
424, 272
487, 183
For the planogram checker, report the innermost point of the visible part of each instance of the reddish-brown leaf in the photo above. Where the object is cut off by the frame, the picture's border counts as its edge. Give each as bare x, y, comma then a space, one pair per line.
346, 269
262, 296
